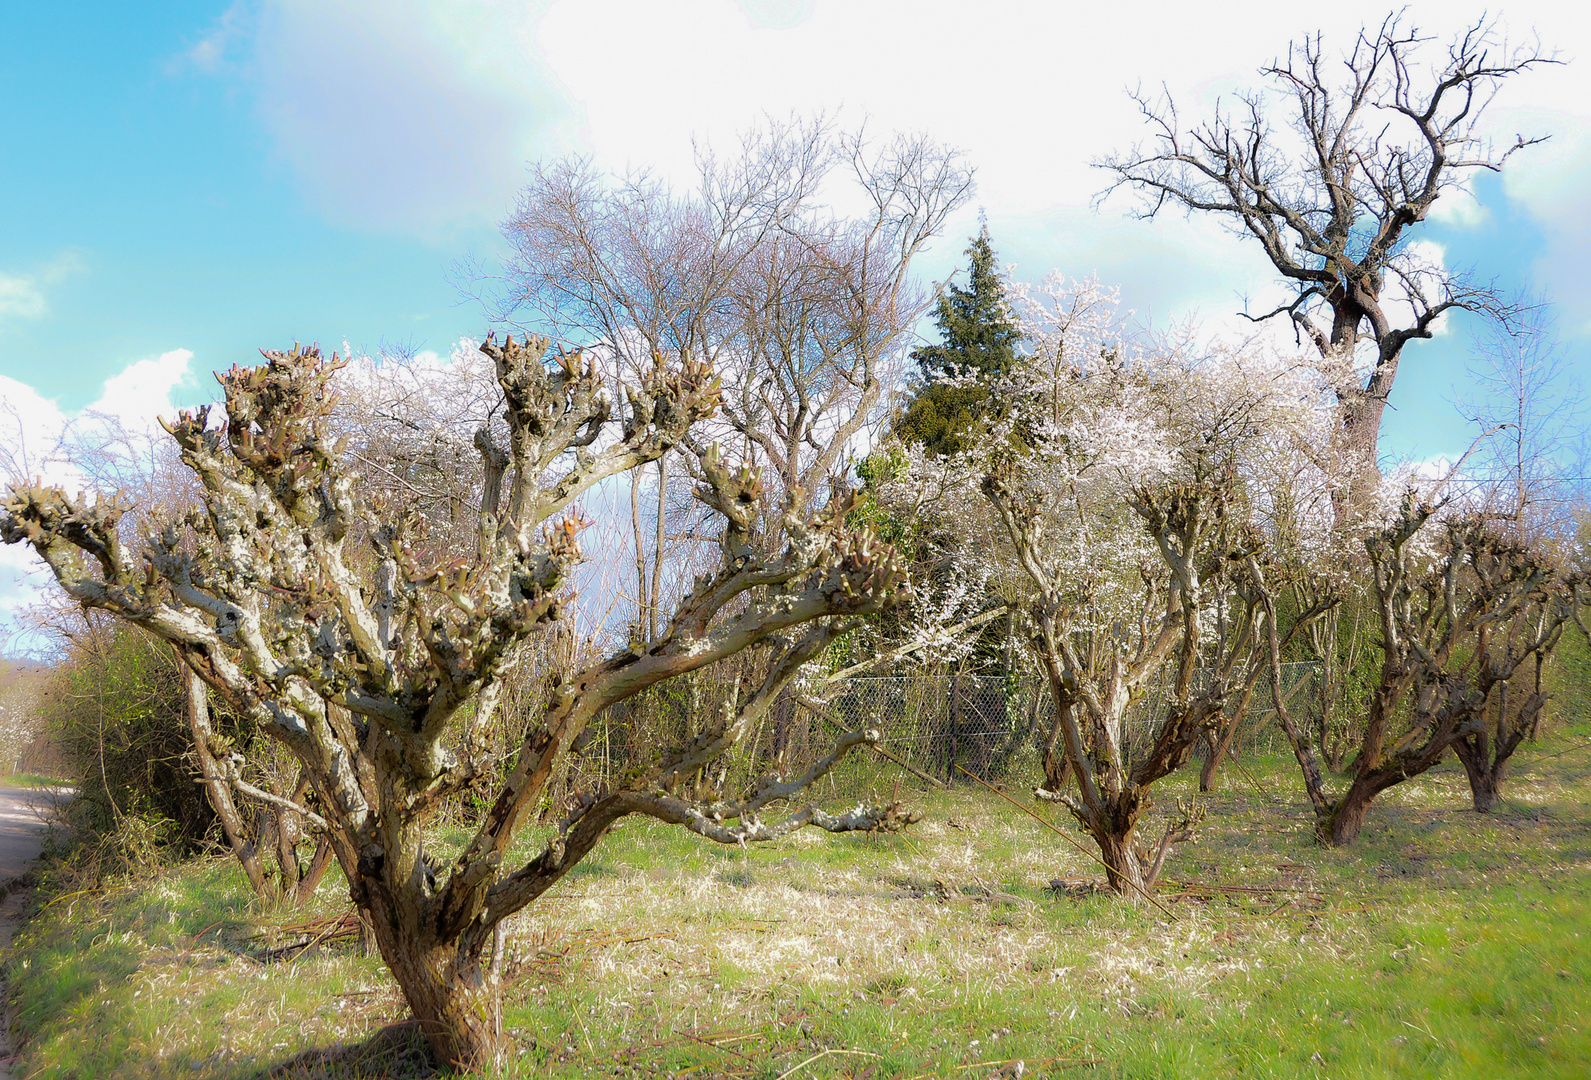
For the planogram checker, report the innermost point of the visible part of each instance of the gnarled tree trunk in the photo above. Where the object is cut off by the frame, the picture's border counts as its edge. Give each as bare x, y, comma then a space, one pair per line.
1347, 815
1485, 775
1218, 744
1057, 766
1485, 753
1124, 870
452, 990
1115, 830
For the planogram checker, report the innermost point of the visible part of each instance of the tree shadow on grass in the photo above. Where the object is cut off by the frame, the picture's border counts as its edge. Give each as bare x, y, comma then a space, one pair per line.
397, 1050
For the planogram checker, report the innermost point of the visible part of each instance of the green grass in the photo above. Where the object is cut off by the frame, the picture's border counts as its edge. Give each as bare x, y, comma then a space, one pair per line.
31, 780
1444, 944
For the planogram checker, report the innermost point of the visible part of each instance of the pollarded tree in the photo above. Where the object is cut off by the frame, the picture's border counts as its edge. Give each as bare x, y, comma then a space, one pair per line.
978, 338
1533, 419
1098, 670
1335, 193
322, 617
1467, 618
1510, 659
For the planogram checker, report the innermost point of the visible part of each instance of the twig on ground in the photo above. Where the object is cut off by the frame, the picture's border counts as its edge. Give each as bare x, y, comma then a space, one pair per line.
195, 943
546, 958
824, 1054
1246, 890
1234, 760
1561, 753
589, 1047
66, 896
1045, 1063
1037, 1065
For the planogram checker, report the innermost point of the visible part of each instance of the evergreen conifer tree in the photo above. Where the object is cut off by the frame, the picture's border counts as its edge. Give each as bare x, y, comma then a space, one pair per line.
978, 336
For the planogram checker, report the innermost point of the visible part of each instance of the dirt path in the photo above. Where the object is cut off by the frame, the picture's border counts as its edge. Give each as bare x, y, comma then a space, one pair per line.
22, 824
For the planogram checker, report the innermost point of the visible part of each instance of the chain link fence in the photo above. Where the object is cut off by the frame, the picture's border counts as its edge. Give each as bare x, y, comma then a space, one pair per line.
933, 727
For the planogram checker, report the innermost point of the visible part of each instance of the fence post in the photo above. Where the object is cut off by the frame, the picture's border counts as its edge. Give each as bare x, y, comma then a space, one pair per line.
955, 726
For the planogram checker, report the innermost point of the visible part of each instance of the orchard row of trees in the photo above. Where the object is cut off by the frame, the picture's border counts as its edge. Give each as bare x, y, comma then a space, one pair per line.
1161, 509
362, 576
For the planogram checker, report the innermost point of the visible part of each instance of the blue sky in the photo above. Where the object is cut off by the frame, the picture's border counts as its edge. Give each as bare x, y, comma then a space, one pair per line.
216, 177
152, 209
187, 182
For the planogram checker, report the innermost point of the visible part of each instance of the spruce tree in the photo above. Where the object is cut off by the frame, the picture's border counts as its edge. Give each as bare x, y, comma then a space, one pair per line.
978, 337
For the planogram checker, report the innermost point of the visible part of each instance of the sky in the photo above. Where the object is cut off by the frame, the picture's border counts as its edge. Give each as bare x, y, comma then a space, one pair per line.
187, 182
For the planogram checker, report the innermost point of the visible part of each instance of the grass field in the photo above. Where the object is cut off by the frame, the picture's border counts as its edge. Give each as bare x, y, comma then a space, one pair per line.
1444, 944
31, 780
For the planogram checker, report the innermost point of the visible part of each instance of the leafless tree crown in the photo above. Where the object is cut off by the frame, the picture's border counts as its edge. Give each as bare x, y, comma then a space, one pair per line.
1369, 145
798, 305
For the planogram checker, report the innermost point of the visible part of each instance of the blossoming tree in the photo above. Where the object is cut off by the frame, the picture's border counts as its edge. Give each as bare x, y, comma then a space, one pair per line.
1120, 500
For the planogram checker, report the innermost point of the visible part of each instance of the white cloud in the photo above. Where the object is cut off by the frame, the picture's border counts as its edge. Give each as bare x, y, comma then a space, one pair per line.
1548, 180
215, 51
425, 117
1557, 200
1032, 92
434, 108
20, 295
33, 433
1176, 267
23, 295
1459, 207
418, 117
421, 117
31, 427
775, 14
1427, 260
143, 389
21, 582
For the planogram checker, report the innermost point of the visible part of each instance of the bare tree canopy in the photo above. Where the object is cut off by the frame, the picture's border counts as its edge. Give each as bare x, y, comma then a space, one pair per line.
787, 266
1535, 409
796, 302
1333, 193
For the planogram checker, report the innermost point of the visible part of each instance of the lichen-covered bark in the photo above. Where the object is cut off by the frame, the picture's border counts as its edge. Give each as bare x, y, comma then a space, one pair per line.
215, 784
